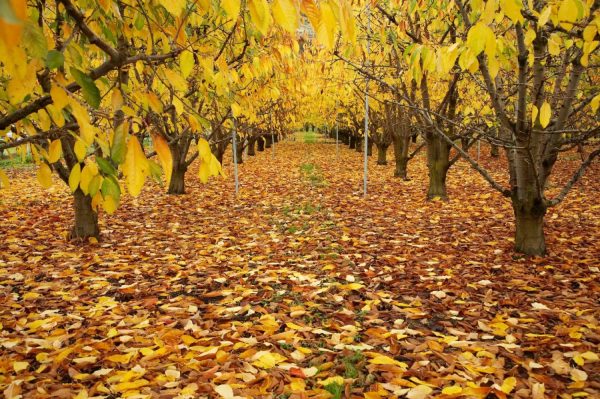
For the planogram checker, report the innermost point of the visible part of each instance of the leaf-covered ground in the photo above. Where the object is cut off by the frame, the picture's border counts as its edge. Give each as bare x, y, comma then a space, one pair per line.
300, 288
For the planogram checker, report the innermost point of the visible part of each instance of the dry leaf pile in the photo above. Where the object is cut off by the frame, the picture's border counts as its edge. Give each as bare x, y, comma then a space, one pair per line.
300, 288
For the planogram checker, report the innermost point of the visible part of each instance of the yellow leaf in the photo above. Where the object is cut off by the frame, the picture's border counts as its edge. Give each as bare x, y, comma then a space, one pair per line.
332, 380
54, 151
225, 391
174, 7
512, 9
352, 286
481, 37
109, 204
236, 110
578, 375
231, 7
59, 97
568, 12
116, 99
154, 102
589, 33
164, 155
44, 175
267, 360
544, 15
419, 392
545, 114
453, 390
3, 179
80, 150
123, 359
31, 295
383, 359
75, 177
260, 15
534, 114
20, 366
508, 384
131, 385
327, 26
204, 150
186, 63
285, 14
297, 385
87, 174
112, 333
135, 167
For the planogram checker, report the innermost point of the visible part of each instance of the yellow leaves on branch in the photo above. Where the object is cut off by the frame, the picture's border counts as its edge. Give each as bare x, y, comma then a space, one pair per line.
512, 9
135, 167
11, 21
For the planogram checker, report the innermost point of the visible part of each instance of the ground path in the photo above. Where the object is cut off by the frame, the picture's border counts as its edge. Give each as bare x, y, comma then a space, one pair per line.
299, 288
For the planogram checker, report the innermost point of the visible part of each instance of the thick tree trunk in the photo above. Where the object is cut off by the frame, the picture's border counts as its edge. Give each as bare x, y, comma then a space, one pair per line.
529, 220
352, 142
382, 154
177, 183
438, 162
269, 141
251, 146
369, 147
260, 143
240, 151
401, 146
276, 138
86, 219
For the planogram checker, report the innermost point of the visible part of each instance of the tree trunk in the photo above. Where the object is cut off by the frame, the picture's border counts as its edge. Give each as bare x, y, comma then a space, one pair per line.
177, 183
276, 138
494, 151
369, 147
269, 141
529, 219
438, 162
240, 150
352, 142
251, 146
260, 141
382, 154
86, 219
401, 146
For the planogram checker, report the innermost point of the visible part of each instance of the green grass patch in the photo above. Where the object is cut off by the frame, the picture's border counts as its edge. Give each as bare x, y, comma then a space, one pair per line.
309, 137
313, 174
350, 362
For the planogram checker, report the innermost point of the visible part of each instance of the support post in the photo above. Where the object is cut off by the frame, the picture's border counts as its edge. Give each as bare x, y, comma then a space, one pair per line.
366, 149
235, 164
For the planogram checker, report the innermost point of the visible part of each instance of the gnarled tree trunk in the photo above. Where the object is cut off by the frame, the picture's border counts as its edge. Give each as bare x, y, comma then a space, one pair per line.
382, 154
438, 162
251, 146
86, 219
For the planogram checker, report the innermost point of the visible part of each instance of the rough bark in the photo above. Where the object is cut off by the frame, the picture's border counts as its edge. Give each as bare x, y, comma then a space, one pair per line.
529, 220
260, 143
240, 151
86, 219
382, 154
401, 146
177, 183
438, 162
251, 146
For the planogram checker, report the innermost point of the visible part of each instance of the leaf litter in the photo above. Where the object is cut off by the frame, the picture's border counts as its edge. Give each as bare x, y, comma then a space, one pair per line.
300, 288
